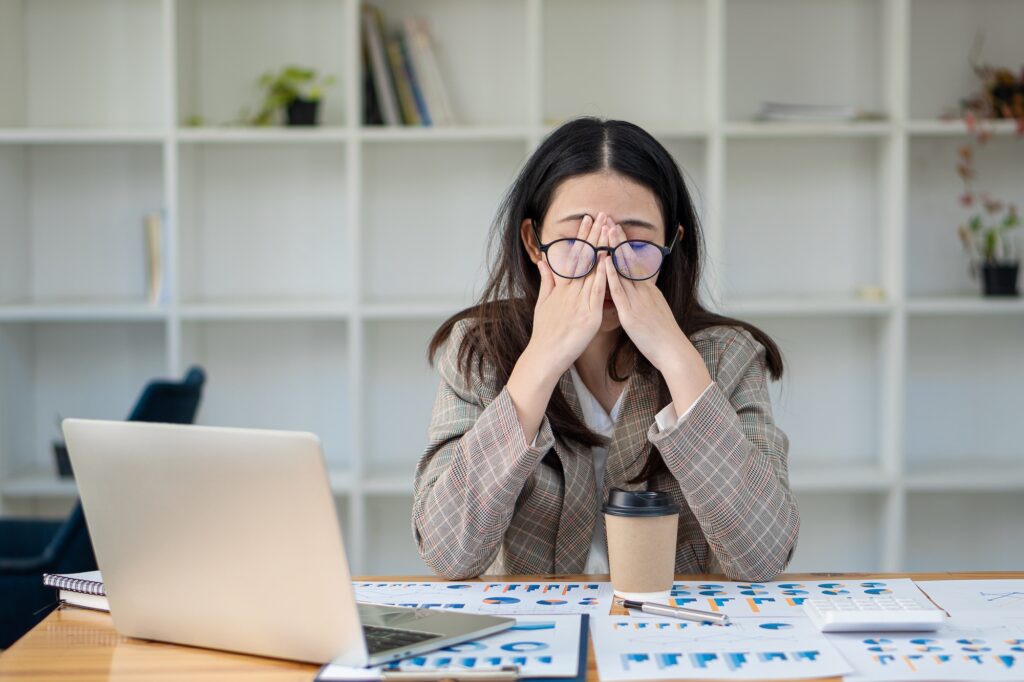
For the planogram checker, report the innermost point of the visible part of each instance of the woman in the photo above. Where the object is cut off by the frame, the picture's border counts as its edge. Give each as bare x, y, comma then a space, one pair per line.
588, 364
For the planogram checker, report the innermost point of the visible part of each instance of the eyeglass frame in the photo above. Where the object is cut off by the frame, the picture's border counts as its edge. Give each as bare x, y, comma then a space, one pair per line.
665, 251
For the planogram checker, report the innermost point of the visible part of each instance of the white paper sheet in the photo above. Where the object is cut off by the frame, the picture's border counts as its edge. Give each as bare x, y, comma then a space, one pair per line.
965, 648
749, 648
971, 597
780, 599
541, 646
513, 599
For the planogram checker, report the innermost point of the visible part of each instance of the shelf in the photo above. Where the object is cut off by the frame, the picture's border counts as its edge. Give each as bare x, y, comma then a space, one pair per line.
806, 307
757, 129
81, 136
964, 305
269, 134
388, 486
955, 127
427, 310
42, 484
84, 312
980, 475
299, 309
839, 478
481, 133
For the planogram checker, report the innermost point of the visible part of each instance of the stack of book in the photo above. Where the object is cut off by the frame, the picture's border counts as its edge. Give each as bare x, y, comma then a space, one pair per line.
793, 111
402, 83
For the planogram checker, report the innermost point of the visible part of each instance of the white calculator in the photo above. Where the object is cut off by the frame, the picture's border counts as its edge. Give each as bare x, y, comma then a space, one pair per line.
873, 614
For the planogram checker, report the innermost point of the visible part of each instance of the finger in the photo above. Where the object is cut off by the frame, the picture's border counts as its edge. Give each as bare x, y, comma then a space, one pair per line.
547, 279
619, 296
600, 283
579, 248
589, 254
624, 256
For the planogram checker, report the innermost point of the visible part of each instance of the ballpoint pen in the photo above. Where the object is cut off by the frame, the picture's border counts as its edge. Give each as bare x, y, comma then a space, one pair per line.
677, 612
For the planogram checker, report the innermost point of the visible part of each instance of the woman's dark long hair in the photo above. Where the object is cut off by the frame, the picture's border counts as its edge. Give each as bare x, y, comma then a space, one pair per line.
503, 316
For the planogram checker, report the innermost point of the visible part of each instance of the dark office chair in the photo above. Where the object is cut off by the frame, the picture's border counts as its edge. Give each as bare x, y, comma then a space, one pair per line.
29, 548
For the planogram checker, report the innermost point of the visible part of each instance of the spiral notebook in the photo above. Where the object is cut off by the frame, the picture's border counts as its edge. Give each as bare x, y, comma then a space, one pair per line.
79, 589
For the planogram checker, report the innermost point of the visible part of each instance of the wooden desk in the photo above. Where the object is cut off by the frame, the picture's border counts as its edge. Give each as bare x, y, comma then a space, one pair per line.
83, 645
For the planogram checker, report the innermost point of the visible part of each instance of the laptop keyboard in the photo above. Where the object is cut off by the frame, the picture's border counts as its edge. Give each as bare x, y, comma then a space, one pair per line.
381, 639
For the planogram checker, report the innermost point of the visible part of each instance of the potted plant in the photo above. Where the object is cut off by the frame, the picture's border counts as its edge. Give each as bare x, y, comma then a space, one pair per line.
986, 234
295, 89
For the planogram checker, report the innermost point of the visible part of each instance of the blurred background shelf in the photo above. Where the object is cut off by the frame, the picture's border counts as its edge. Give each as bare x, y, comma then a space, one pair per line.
310, 267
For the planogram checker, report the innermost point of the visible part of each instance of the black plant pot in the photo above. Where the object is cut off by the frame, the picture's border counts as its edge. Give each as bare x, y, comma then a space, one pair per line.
302, 112
1000, 279
60, 453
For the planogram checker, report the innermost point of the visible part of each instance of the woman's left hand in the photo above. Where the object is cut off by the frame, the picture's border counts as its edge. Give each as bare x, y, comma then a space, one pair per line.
648, 320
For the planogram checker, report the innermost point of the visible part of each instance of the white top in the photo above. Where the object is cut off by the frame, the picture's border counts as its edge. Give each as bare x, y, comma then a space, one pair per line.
603, 423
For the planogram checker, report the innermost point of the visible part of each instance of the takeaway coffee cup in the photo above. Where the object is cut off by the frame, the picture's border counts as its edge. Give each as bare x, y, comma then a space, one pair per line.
641, 527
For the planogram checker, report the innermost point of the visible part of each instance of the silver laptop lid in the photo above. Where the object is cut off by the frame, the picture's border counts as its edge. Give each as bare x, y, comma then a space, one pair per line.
217, 537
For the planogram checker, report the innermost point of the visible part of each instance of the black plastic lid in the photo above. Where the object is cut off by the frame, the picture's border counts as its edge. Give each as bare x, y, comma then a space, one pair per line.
639, 503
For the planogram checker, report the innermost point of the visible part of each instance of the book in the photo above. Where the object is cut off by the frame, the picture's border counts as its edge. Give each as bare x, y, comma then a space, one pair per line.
410, 112
794, 111
373, 30
424, 60
155, 279
414, 81
79, 589
372, 114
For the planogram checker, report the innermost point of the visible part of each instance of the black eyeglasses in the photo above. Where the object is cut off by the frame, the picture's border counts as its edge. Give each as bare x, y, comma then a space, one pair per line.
635, 259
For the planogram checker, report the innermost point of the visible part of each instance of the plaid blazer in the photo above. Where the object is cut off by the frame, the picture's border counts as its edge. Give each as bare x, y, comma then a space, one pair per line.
486, 501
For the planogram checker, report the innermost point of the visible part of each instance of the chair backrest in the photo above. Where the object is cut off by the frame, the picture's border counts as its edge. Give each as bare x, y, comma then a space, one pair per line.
170, 402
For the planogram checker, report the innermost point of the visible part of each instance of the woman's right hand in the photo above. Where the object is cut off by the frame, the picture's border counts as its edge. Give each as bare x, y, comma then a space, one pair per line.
569, 311
566, 318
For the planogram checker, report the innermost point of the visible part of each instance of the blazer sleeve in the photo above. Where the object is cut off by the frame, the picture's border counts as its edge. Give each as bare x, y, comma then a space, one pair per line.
475, 466
730, 460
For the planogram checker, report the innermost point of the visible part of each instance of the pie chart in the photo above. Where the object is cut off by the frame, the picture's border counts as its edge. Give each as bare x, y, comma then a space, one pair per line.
501, 600
776, 626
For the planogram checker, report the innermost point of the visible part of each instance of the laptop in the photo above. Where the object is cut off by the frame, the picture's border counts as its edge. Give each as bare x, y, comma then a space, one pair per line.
229, 539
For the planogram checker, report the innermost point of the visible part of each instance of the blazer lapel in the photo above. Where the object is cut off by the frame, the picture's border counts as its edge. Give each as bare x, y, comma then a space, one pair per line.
627, 453
579, 502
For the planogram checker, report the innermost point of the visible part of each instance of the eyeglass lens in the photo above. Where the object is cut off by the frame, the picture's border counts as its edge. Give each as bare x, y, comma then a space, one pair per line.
633, 259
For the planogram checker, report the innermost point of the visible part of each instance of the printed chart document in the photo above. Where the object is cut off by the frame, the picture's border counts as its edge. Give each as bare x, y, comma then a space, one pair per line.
629, 648
965, 648
993, 598
541, 647
511, 599
779, 599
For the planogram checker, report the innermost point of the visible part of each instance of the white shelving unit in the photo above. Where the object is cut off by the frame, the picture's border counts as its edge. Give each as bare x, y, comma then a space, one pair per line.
311, 266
